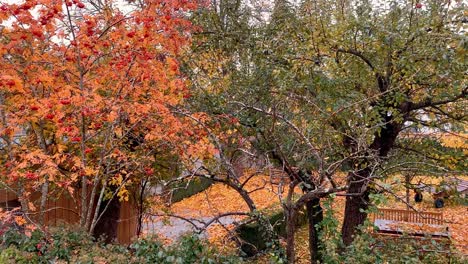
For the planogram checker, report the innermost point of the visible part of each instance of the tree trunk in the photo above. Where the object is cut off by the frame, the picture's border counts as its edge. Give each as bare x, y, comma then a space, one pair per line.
84, 200
357, 200
22, 200
43, 205
106, 227
141, 207
356, 205
407, 185
315, 217
290, 234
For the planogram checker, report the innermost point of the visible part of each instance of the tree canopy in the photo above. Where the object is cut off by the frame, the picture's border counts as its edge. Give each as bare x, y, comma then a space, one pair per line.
99, 98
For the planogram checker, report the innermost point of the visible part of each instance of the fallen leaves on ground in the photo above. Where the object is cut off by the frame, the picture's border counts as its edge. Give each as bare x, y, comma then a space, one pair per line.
455, 215
412, 228
220, 198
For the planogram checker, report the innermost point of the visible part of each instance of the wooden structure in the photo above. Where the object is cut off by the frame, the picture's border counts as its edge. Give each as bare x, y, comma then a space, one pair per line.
65, 210
402, 215
387, 221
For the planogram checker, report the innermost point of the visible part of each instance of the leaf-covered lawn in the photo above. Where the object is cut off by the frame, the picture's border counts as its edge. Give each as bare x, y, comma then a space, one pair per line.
222, 199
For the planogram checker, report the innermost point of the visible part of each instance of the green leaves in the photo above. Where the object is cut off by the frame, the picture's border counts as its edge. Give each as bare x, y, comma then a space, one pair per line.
189, 249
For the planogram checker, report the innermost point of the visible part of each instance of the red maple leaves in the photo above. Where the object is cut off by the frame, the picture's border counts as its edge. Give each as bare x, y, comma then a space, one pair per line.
76, 80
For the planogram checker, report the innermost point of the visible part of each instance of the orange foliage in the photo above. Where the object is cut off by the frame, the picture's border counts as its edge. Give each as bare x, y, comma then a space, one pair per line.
79, 83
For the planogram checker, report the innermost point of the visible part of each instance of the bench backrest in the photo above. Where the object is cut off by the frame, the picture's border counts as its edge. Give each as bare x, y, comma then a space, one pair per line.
435, 218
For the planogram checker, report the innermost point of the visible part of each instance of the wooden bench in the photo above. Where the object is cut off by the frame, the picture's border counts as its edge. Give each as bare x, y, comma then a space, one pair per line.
387, 220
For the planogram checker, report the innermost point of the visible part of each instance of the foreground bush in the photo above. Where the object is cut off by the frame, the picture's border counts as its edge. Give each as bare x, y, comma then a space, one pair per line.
367, 249
72, 246
63, 245
370, 248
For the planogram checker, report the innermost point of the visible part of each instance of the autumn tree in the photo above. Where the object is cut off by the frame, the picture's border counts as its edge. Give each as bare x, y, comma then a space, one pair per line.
406, 61
253, 81
87, 96
334, 85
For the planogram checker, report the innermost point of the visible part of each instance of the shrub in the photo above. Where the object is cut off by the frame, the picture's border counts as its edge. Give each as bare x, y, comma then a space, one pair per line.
189, 249
62, 245
59, 245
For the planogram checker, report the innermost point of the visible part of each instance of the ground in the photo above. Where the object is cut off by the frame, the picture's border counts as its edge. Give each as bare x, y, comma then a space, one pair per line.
217, 199
221, 199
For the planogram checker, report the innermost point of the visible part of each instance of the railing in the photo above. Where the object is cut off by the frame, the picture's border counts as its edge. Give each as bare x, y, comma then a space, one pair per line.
435, 218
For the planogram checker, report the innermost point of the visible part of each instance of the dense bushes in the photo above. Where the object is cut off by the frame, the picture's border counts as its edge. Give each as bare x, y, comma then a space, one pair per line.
367, 249
72, 246
189, 249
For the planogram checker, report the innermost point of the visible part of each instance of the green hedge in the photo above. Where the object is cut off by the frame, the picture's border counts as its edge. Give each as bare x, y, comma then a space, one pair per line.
184, 189
252, 235
73, 245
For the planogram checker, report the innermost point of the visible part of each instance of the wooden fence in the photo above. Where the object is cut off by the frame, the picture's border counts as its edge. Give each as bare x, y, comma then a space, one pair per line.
435, 218
128, 221
65, 210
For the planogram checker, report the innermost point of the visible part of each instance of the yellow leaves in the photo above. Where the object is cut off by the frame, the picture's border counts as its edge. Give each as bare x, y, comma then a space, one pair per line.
172, 65
35, 157
45, 79
457, 217
76, 161
123, 194
455, 141
142, 108
112, 116
3, 214
61, 148
66, 91
89, 171
201, 149
116, 180
19, 220
151, 136
218, 236
31, 206
220, 198
118, 132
